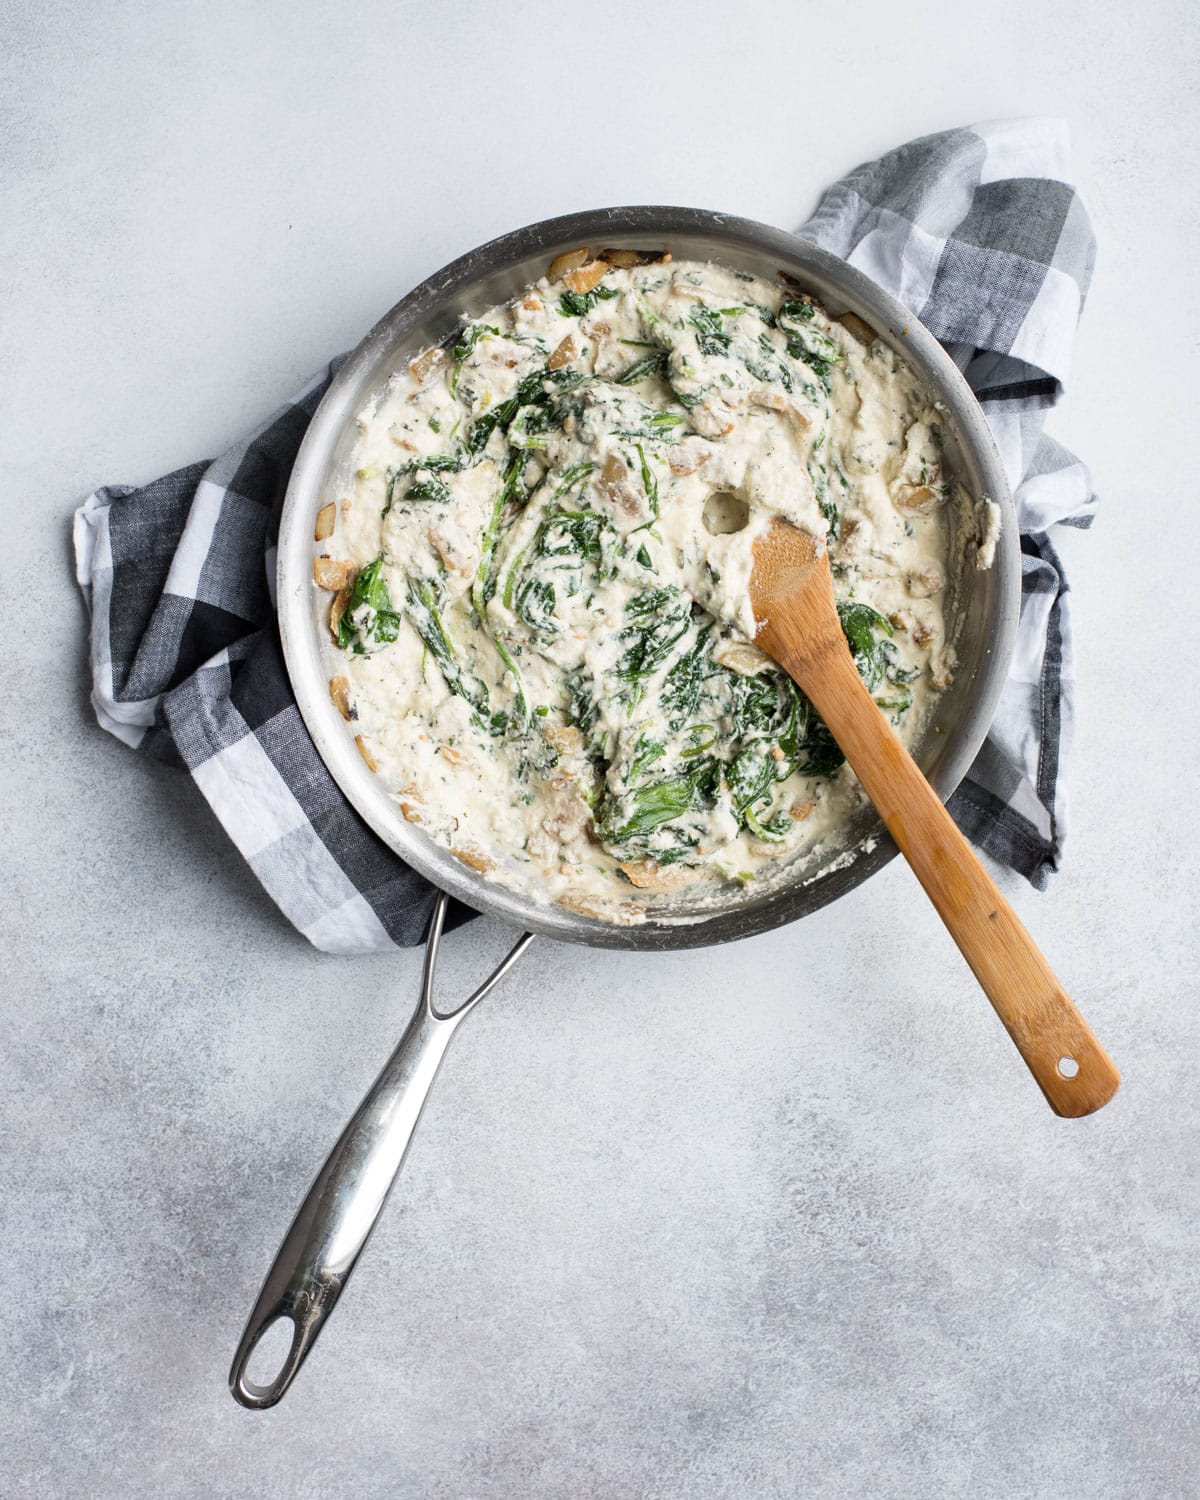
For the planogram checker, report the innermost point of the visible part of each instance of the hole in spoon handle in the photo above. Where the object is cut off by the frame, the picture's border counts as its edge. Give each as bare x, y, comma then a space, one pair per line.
1072, 1069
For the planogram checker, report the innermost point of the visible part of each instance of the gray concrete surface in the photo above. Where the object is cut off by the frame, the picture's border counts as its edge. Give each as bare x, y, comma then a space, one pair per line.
786, 1219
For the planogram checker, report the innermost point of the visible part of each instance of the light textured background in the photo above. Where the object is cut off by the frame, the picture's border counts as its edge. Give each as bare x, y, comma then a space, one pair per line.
783, 1219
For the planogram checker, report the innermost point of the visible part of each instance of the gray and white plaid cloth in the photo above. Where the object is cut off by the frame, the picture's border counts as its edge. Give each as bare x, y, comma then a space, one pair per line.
978, 231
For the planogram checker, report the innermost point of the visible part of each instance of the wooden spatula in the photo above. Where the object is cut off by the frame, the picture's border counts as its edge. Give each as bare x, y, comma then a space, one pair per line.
792, 595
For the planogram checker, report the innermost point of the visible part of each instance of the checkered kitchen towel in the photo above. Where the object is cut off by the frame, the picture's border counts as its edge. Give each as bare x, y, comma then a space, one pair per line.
977, 230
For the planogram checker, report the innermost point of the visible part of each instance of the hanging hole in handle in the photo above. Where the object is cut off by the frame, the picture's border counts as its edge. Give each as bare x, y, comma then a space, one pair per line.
260, 1377
1068, 1067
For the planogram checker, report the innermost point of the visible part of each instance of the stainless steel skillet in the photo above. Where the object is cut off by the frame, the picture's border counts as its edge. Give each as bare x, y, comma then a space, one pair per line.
335, 1220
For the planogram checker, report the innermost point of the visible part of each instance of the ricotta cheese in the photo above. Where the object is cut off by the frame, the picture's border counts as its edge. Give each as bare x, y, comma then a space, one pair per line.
540, 578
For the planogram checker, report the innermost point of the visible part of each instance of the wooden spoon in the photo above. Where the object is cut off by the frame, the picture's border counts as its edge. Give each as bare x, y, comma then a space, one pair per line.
791, 591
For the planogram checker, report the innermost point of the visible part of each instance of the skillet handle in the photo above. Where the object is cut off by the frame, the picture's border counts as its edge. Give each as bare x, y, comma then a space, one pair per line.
336, 1218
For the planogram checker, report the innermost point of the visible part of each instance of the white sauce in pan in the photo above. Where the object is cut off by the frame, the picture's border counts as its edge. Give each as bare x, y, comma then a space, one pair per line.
540, 578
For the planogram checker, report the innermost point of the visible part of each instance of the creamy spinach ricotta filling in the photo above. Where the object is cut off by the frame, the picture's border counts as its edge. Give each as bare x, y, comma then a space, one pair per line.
540, 577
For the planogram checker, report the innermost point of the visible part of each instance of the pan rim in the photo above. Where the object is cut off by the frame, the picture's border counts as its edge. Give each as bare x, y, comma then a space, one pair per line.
340, 404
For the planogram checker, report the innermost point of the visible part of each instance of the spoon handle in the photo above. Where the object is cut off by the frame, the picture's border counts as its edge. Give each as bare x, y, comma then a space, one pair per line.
1070, 1066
